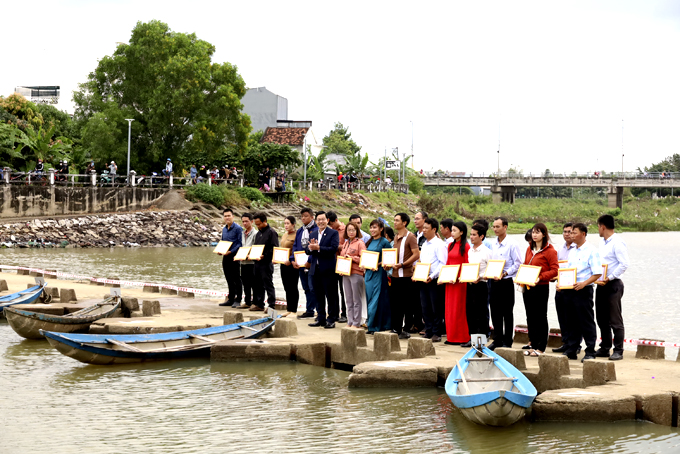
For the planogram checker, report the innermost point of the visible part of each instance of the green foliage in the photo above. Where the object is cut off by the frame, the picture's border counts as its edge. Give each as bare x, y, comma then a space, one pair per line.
273, 155
20, 112
183, 104
41, 145
217, 195
339, 141
251, 194
415, 184
616, 212
354, 164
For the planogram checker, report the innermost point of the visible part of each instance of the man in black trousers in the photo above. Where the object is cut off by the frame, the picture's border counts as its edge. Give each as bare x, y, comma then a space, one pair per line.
264, 268
322, 247
234, 233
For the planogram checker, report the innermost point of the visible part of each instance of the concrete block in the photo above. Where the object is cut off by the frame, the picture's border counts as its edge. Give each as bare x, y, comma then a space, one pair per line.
553, 365
514, 357
285, 328
657, 408
36, 274
168, 291
522, 338
419, 348
251, 350
555, 341
384, 344
571, 381
151, 307
362, 355
3, 285
136, 314
352, 338
113, 285
184, 294
22, 272
604, 403
597, 373
129, 305
232, 317
651, 351
52, 291
393, 374
66, 295
314, 353
150, 289
94, 283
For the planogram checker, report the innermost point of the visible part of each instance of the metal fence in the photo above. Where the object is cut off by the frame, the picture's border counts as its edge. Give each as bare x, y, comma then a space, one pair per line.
610, 175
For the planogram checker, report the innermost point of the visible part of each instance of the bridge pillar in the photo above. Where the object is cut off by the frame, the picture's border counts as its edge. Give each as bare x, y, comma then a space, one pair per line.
503, 194
615, 197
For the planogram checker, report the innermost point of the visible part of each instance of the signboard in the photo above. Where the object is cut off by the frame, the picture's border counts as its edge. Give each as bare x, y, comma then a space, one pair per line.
391, 165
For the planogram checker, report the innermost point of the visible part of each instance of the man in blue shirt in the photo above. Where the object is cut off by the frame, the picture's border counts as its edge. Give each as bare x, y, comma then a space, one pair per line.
301, 242
356, 220
563, 254
614, 254
234, 233
579, 300
502, 289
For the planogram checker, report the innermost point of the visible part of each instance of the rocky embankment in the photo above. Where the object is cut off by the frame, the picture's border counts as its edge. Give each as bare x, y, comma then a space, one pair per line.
149, 228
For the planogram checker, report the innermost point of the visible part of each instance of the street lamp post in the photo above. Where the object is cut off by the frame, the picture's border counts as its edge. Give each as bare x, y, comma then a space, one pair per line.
129, 120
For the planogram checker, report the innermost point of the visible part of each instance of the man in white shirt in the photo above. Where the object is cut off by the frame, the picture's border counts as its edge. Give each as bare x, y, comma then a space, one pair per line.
445, 230
356, 220
560, 306
432, 295
247, 266
168, 168
614, 254
419, 221
502, 290
476, 304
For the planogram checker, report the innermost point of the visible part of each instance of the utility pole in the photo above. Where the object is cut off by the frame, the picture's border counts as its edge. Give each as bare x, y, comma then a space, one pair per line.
498, 174
129, 120
385, 167
397, 150
622, 147
412, 164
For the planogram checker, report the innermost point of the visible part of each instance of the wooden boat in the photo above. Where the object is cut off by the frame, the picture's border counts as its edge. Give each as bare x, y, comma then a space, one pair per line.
23, 297
107, 349
29, 324
488, 390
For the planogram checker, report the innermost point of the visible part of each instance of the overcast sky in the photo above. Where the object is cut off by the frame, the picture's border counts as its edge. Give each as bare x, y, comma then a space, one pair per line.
556, 78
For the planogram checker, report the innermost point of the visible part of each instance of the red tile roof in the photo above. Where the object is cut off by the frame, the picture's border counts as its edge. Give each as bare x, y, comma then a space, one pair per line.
285, 136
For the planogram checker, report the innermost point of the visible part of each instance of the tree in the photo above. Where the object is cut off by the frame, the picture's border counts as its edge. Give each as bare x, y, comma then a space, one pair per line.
339, 141
39, 144
183, 104
353, 164
273, 155
17, 110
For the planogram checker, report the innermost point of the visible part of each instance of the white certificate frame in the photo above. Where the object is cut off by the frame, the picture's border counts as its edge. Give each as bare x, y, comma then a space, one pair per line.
389, 257
281, 255
469, 272
222, 247
256, 252
343, 266
494, 269
605, 270
369, 260
563, 264
421, 269
448, 274
566, 278
527, 275
301, 258
242, 253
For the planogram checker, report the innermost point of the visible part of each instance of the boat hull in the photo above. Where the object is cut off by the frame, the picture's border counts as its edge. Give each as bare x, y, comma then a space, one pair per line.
96, 349
29, 324
494, 392
27, 296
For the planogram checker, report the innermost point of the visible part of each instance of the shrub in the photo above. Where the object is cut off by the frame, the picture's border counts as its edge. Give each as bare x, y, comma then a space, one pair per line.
208, 194
415, 184
251, 194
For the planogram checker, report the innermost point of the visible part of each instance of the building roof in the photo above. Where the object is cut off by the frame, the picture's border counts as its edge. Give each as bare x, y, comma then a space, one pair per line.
285, 136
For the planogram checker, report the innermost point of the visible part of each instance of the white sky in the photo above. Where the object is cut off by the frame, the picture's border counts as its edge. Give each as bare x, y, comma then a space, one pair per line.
559, 77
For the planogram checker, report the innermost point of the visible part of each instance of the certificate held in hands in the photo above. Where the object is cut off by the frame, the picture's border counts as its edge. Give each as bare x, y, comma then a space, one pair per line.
369, 260
256, 252
222, 247
343, 266
281, 255
242, 253
301, 258
389, 257
469, 272
605, 268
422, 272
566, 278
448, 274
527, 275
494, 269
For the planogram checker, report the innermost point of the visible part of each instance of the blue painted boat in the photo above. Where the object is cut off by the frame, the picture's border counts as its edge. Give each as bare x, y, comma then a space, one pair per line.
105, 349
23, 297
29, 324
488, 390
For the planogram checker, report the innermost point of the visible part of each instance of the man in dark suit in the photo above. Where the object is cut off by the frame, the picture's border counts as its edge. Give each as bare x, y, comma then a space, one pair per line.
322, 247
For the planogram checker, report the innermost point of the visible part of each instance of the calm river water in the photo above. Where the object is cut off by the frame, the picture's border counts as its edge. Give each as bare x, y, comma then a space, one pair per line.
52, 404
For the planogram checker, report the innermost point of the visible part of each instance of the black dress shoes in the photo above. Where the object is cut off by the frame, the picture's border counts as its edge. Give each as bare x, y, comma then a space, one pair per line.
468, 344
314, 325
570, 355
330, 325
306, 315
451, 343
602, 353
561, 349
587, 357
342, 320
436, 338
493, 346
616, 356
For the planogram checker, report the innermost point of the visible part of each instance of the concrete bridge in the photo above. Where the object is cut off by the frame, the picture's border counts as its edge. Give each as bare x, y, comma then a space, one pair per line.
504, 186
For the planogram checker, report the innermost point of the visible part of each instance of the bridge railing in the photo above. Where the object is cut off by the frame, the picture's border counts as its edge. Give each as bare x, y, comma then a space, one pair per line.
344, 186
582, 175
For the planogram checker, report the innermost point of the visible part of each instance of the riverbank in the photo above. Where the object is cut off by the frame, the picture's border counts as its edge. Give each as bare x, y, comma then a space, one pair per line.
637, 215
